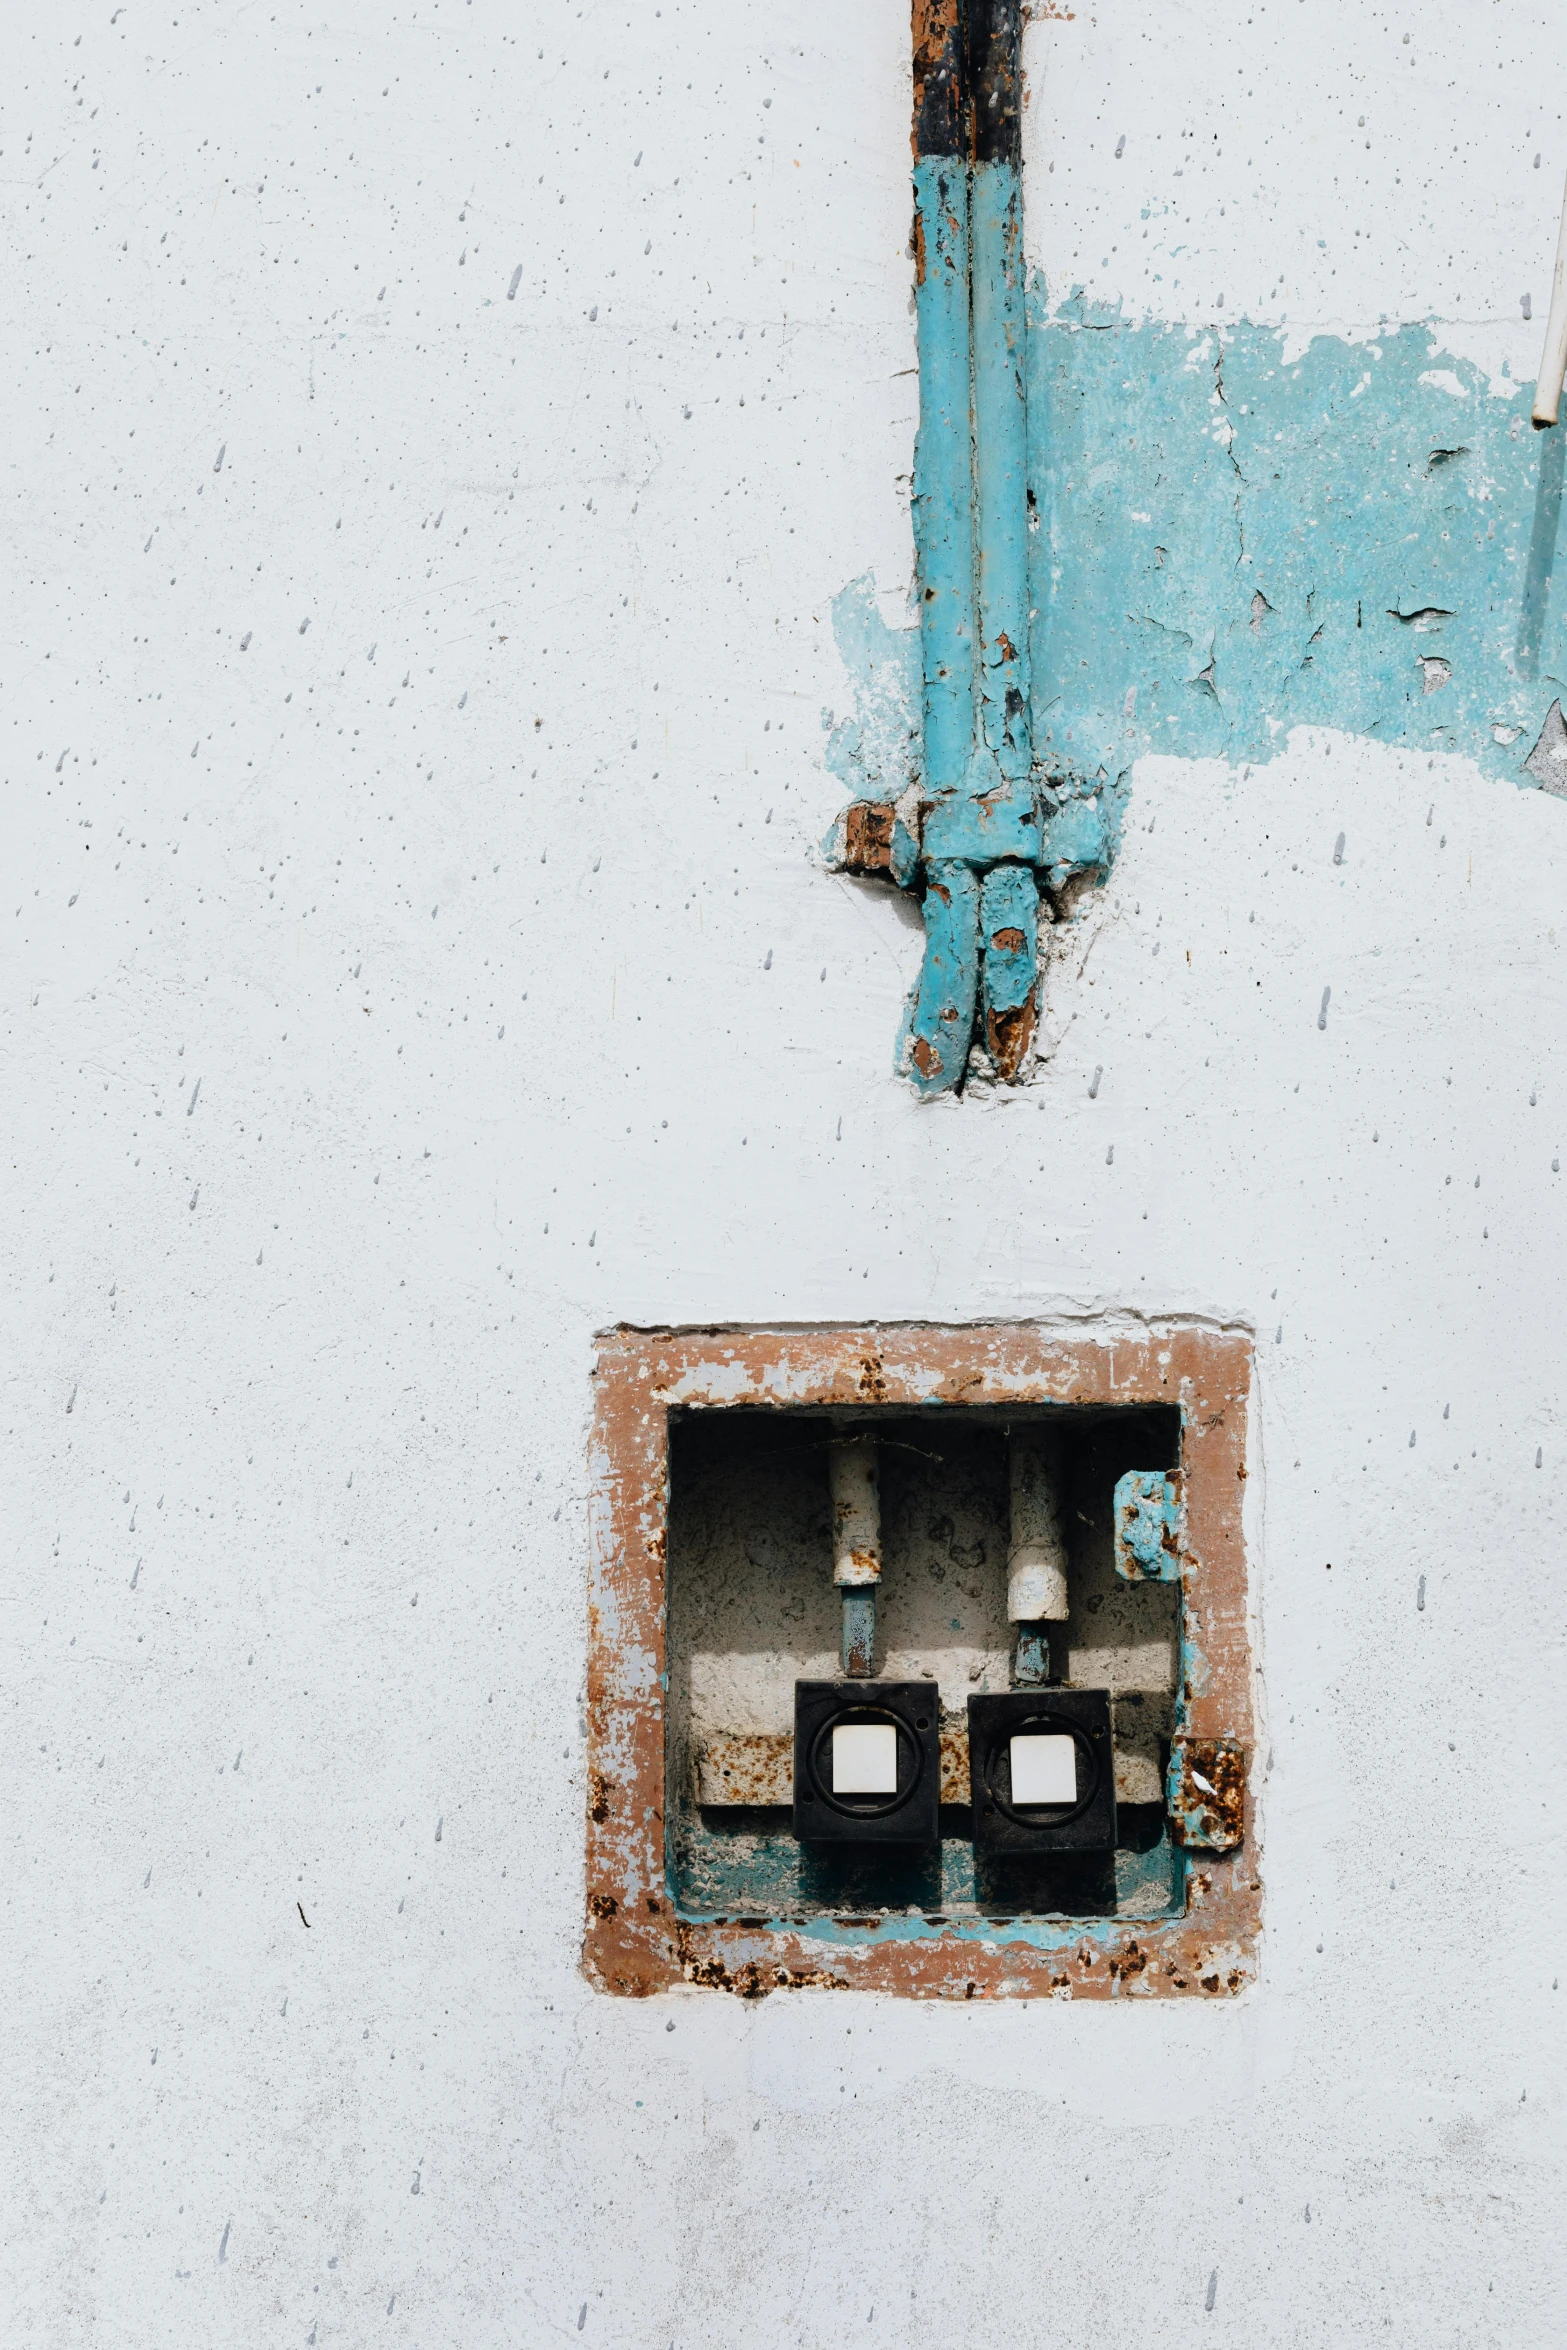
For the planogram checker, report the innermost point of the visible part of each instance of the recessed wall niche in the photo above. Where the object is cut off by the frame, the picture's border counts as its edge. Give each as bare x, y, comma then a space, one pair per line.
753, 1608
797, 1533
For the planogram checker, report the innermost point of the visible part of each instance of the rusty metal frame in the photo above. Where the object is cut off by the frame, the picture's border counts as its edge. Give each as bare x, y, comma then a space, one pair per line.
635, 1943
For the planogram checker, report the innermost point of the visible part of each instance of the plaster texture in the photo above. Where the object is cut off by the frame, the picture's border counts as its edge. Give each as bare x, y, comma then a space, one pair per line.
436, 436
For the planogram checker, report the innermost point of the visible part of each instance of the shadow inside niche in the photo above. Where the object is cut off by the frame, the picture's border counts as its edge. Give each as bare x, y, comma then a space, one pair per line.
1542, 553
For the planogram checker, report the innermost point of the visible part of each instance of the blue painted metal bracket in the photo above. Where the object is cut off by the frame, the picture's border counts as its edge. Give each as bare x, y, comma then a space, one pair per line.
985, 832
1150, 1526
1205, 1783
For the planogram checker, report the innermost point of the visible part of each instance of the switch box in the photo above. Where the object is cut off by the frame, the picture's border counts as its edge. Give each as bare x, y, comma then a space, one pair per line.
867, 1762
782, 1753
1042, 1772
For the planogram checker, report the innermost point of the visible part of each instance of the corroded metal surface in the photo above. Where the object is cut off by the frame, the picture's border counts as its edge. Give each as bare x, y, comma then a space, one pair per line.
1206, 1793
853, 1481
938, 127
634, 1943
857, 1638
745, 1767
751, 1769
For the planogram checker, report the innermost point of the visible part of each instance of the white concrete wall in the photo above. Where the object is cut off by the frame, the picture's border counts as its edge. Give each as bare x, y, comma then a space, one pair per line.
465, 945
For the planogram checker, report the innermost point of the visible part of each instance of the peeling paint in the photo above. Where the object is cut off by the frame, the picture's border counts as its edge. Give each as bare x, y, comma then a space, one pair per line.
1150, 1522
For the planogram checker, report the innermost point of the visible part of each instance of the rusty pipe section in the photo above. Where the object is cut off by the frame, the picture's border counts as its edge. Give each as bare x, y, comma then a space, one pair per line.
1036, 1552
853, 1478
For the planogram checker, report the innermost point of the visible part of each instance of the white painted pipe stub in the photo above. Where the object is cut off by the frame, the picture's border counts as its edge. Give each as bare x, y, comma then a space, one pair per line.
1036, 1553
856, 1510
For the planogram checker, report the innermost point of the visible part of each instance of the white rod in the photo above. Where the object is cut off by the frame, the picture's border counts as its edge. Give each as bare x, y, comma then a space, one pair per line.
1553, 360
1036, 1558
856, 1510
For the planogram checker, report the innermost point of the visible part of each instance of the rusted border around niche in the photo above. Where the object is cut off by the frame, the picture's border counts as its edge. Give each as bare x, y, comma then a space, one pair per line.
634, 1943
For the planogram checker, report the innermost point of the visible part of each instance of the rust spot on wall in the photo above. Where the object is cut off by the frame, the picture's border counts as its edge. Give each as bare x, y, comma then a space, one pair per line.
603, 1905
871, 1384
1008, 942
867, 836
746, 1767
598, 1797
751, 1980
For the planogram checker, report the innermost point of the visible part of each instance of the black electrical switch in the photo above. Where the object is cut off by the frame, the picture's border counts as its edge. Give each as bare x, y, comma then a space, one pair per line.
867, 1762
1042, 1771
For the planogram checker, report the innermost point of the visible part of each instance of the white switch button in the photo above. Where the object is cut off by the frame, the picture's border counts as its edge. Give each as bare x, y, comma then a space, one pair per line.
865, 1758
1044, 1770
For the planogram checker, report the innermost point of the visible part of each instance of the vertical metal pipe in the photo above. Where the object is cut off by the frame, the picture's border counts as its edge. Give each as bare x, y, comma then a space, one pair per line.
857, 1648
854, 1485
971, 539
943, 503
940, 1025
1036, 1552
996, 268
940, 1017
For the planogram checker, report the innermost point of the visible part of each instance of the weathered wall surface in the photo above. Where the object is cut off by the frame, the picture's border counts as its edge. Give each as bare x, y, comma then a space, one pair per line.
436, 441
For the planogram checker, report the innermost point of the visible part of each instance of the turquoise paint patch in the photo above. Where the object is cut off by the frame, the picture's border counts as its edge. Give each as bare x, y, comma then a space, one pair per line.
876, 752
1223, 543
1081, 827
1385, 524
1227, 544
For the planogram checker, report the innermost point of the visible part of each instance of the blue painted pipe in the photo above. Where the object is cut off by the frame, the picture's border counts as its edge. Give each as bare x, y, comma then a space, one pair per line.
1009, 936
943, 494
1001, 463
940, 1022
971, 540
